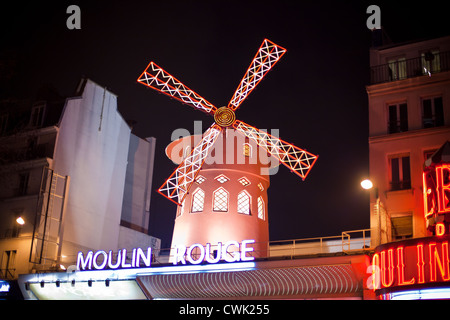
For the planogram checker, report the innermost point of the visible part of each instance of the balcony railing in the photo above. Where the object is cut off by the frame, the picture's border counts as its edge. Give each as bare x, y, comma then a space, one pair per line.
409, 68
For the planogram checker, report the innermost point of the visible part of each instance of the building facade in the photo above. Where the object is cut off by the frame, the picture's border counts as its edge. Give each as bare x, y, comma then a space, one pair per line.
73, 177
409, 119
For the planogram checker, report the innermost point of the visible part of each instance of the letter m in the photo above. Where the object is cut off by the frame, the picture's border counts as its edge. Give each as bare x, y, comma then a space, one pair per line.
82, 263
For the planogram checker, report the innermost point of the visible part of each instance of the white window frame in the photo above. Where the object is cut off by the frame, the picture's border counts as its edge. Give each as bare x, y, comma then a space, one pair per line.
198, 201
216, 199
244, 202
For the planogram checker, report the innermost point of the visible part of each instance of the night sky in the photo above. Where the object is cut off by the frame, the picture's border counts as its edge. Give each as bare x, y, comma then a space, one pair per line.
315, 95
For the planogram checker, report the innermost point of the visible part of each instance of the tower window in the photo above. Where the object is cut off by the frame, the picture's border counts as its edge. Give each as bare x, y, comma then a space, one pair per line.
243, 203
247, 150
222, 178
220, 200
244, 181
261, 213
198, 200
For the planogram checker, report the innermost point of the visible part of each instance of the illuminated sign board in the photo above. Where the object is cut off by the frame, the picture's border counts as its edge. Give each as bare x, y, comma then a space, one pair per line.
198, 253
411, 262
231, 251
436, 190
101, 260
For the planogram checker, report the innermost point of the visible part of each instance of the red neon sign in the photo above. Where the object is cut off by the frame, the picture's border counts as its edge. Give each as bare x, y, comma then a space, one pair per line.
411, 262
443, 187
436, 190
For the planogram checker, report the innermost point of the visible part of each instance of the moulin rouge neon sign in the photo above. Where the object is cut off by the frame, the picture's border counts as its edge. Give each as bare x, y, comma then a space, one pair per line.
231, 251
411, 262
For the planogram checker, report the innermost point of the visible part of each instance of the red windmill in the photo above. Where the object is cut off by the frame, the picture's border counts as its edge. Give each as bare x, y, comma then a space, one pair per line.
176, 187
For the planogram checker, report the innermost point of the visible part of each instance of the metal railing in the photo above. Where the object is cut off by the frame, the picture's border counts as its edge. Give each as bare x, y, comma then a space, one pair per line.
348, 242
410, 68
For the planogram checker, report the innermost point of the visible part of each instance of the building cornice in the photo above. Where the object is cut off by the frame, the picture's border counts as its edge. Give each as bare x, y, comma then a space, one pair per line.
407, 84
409, 134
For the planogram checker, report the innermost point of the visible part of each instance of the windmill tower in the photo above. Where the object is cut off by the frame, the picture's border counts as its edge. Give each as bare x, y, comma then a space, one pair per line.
201, 216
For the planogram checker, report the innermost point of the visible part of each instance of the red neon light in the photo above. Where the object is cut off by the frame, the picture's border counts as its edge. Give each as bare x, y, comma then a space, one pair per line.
387, 281
376, 271
414, 262
442, 174
428, 199
401, 269
435, 260
420, 264
440, 229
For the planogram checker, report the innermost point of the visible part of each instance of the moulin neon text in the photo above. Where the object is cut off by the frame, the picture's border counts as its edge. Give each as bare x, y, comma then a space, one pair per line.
423, 262
102, 260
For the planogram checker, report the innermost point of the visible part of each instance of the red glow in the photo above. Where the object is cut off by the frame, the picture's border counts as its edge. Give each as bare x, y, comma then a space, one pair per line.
435, 260
440, 229
443, 187
416, 261
420, 264
401, 268
387, 281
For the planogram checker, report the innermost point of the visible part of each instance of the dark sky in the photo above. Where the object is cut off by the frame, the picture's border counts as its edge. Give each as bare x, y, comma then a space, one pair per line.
315, 95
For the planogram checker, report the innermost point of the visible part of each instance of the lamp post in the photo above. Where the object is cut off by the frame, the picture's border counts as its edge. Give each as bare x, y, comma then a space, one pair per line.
367, 184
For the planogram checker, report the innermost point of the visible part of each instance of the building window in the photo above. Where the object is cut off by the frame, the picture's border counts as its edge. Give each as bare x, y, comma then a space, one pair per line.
220, 200
37, 115
247, 150
400, 174
8, 269
198, 200
397, 69
23, 183
261, 213
244, 181
222, 178
431, 62
432, 112
260, 186
200, 179
243, 203
402, 227
398, 118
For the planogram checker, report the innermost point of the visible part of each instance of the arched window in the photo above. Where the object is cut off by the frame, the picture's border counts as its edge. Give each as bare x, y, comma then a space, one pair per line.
243, 202
261, 214
220, 200
198, 200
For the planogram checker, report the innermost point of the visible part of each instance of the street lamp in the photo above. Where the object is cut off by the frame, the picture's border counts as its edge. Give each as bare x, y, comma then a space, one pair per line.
367, 184
20, 221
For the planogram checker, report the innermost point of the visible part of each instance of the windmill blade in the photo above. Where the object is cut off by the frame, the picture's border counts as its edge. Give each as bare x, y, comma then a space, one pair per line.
266, 57
297, 160
178, 184
158, 79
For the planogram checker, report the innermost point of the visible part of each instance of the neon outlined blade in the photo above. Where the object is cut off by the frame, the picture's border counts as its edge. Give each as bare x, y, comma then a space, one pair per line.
178, 184
158, 79
266, 57
297, 160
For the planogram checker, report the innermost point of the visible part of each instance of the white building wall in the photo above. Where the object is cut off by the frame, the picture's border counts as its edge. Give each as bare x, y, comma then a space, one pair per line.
92, 149
138, 183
